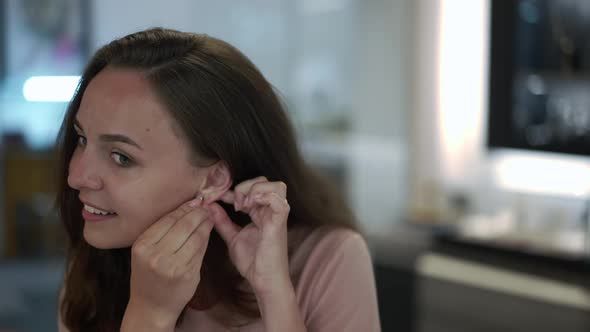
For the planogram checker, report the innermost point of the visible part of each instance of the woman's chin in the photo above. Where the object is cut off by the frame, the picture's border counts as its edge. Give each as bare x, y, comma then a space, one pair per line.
104, 241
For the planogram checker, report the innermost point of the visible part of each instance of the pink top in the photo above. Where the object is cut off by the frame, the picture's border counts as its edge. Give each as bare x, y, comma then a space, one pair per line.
334, 283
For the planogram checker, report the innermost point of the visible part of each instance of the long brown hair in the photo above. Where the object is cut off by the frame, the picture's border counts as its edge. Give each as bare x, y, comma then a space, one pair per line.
227, 111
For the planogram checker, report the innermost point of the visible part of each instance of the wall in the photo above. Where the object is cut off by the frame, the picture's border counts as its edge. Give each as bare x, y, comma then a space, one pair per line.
380, 151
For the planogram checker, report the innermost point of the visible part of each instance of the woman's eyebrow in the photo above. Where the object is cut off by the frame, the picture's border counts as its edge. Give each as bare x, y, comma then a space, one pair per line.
112, 137
118, 138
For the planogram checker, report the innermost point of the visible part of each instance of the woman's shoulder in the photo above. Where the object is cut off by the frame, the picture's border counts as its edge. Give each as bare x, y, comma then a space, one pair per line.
334, 281
325, 245
331, 238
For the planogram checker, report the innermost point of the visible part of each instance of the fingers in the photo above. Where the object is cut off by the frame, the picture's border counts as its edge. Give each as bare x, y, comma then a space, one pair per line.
242, 190
182, 230
228, 197
245, 190
160, 228
277, 204
226, 228
193, 249
248, 197
279, 188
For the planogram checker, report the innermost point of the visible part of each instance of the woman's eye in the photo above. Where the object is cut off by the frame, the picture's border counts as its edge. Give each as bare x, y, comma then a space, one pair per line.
81, 140
121, 159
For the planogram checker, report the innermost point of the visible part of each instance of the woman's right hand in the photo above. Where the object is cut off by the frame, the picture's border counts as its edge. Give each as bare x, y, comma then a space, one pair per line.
165, 265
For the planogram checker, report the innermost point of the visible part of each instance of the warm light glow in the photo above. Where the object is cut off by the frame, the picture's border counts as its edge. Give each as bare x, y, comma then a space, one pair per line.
542, 174
50, 88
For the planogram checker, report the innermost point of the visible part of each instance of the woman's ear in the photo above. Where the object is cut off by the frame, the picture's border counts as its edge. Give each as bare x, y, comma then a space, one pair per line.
218, 180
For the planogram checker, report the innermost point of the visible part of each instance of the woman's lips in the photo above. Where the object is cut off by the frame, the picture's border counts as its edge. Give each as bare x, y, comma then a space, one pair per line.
96, 217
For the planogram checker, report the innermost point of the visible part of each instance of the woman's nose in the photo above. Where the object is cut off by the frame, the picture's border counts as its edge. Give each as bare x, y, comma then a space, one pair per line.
83, 172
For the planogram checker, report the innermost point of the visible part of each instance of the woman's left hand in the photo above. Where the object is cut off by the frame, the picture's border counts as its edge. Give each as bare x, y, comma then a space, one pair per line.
258, 250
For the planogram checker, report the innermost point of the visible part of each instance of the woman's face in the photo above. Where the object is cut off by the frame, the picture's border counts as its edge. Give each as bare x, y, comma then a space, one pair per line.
129, 160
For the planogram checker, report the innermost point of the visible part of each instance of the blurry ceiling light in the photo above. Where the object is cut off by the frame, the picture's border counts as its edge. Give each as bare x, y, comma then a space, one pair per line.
50, 88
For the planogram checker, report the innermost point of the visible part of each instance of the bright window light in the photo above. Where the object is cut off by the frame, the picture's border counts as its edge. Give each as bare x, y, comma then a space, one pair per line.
461, 76
50, 88
542, 174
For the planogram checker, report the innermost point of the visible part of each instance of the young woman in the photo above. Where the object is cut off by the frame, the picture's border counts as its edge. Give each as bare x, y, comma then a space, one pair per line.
188, 206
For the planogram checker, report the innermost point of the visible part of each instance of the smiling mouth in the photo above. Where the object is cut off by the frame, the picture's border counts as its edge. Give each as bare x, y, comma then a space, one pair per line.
97, 212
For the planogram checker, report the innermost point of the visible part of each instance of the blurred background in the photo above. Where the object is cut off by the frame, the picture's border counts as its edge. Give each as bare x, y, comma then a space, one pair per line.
458, 130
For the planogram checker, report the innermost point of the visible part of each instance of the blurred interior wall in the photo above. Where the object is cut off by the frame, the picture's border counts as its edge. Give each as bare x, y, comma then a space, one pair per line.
379, 163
